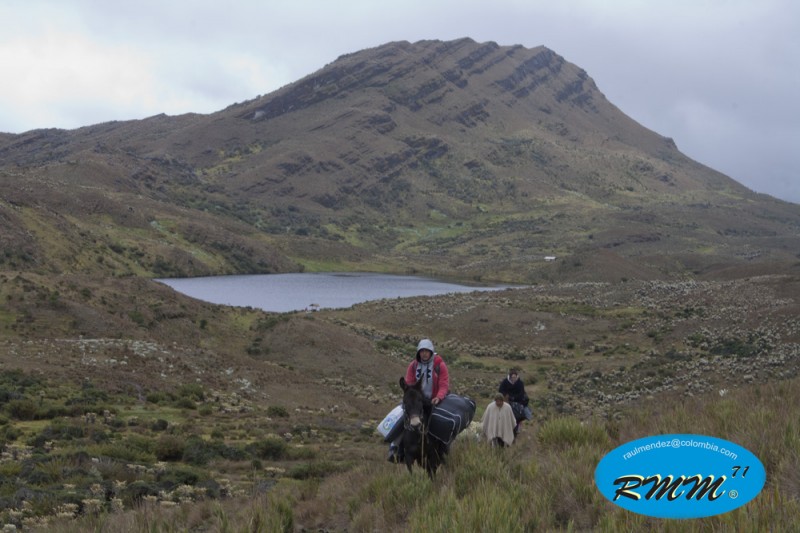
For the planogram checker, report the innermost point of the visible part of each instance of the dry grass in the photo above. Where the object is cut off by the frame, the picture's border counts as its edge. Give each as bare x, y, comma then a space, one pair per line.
604, 364
543, 482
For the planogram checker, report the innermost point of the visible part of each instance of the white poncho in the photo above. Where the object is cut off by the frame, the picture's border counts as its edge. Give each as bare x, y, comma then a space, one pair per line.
498, 422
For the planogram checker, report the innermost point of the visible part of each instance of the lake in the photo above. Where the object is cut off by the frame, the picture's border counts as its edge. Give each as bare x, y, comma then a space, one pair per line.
297, 292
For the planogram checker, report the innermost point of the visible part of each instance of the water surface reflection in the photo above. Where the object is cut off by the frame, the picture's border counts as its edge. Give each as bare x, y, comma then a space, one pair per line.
296, 292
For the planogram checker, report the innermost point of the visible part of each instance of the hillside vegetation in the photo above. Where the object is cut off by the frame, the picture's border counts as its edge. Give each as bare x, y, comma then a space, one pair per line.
179, 413
672, 304
452, 158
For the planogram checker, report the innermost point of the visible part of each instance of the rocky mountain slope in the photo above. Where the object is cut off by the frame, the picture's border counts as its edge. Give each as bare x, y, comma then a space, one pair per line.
459, 158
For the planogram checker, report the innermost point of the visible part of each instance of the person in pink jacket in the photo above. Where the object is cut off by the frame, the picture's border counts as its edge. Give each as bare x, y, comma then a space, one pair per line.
429, 368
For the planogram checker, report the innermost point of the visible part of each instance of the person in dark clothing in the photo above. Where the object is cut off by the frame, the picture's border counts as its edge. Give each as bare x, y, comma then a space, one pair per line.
513, 389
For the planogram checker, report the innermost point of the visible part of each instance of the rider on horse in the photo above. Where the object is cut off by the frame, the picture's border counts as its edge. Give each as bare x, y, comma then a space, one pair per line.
429, 369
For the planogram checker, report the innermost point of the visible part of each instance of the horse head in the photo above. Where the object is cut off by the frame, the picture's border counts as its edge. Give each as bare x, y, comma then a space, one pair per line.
413, 405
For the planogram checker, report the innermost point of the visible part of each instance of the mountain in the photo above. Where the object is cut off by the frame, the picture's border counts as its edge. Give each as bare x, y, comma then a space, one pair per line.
453, 158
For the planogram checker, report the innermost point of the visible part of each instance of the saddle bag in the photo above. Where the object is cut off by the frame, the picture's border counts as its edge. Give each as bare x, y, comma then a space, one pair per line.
450, 417
447, 420
519, 411
391, 426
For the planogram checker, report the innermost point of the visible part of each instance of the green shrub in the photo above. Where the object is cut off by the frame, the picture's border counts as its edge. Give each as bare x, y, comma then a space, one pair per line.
137, 317
9, 434
89, 395
169, 448
133, 493
213, 489
135, 449
270, 448
99, 436
738, 347
17, 380
178, 475
197, 452
157, 397
298, 453
5, 395
185, 403
277, 411
193, 391
23, 409
270, 322
312, 470
159, 425
62, 429
141, 442
10, 469
56, 411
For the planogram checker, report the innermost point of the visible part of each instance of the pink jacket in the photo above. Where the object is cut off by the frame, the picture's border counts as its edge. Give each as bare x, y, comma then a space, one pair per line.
441, 378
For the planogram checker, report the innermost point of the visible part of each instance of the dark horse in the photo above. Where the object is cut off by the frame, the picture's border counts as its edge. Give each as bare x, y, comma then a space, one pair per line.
417, 444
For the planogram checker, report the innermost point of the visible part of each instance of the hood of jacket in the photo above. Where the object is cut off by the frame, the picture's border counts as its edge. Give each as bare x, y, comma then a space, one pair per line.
425, 344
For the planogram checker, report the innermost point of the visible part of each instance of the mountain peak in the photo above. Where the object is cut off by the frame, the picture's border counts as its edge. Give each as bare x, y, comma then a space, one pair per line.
471, 158
412, 75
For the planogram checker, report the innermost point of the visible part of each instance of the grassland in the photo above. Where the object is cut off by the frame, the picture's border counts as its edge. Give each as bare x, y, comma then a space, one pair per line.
161, 413
543, 483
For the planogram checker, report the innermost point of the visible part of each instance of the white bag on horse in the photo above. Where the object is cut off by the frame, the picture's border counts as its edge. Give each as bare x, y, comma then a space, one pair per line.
388, 423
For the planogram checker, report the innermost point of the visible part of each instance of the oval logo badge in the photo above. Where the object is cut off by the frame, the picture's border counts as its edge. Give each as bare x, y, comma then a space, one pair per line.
680, 476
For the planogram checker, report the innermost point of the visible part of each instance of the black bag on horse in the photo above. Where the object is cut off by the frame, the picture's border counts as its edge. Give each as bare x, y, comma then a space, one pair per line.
519, 411
447, 420
451, 417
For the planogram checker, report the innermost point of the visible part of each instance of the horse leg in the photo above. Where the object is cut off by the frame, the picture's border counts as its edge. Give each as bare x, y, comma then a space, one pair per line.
431, 467
431, 459
410, 458
410, 450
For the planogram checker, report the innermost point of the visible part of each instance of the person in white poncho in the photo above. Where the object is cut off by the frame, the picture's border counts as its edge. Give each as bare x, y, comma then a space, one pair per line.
498, 422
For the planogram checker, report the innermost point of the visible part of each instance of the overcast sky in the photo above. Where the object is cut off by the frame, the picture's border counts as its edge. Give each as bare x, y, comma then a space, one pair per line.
721, 77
